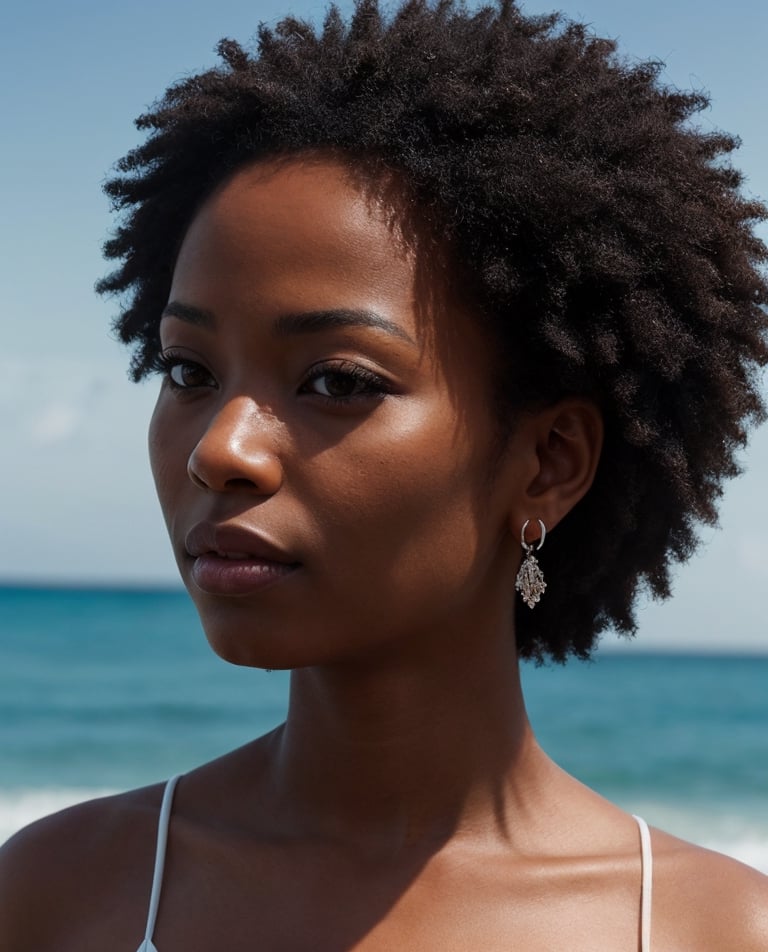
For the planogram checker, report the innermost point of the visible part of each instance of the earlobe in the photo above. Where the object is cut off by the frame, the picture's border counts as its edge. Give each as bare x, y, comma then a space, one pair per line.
568, 439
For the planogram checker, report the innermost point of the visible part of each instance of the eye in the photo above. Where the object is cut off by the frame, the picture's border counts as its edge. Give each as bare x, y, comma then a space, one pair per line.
181, 373
336, 384
344, 381
187, 374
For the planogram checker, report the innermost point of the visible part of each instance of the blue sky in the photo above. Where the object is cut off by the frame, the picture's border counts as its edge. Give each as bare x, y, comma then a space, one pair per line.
77, 500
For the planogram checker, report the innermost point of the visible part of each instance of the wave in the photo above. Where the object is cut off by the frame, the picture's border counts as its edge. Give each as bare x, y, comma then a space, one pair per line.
18, 808
737, 829
753, 852
742, 835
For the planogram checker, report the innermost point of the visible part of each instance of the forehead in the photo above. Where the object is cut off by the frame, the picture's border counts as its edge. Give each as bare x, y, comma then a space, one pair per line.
297, 224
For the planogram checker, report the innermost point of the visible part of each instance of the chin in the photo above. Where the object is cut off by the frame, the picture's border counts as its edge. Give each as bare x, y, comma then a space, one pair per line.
261, 646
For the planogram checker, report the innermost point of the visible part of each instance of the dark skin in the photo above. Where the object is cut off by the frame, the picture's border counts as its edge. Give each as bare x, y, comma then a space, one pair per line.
405, 804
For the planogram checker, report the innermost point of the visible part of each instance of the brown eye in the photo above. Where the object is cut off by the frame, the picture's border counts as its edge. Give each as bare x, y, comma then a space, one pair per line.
344, 382
336, 384
187, 374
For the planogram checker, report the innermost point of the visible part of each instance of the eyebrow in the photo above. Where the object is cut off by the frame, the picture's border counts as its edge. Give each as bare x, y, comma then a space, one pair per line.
189, 313
312, 322
306, 322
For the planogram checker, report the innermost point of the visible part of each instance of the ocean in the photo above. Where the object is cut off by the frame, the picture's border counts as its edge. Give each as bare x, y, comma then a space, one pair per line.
103, 690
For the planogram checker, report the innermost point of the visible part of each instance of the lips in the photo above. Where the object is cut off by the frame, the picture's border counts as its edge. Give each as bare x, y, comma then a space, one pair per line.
232, 560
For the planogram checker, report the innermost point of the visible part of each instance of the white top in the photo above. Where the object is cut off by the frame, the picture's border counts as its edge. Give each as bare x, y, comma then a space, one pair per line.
157, 880
646, 862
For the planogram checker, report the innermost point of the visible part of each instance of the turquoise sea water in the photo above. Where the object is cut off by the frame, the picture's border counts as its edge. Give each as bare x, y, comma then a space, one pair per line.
104, 690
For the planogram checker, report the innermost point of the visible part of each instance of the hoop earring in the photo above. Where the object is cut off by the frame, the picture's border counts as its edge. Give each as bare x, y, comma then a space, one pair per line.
530, 579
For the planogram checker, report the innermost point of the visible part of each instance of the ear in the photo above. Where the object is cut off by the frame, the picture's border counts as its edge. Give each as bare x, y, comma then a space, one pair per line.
561, 447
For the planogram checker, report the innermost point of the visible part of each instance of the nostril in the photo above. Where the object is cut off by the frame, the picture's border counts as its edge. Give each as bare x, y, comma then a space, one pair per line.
240, 483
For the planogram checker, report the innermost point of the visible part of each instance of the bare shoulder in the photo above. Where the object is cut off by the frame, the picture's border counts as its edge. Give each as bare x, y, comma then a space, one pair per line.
70, 861
706, 901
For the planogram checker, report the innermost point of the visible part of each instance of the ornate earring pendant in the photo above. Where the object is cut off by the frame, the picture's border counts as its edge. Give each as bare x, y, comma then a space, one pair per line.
530, 579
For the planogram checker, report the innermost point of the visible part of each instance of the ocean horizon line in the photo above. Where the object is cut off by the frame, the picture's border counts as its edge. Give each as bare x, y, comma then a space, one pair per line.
85, 586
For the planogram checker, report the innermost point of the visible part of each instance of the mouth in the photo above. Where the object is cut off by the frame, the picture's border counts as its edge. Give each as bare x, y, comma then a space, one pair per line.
235, 560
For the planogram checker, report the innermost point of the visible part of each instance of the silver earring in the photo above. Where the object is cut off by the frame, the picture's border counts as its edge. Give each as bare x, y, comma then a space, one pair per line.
530, 579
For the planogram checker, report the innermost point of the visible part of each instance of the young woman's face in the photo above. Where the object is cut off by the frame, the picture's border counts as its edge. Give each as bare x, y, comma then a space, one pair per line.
323, 443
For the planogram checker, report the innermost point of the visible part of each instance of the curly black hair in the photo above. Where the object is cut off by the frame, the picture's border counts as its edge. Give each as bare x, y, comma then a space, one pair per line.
605, 239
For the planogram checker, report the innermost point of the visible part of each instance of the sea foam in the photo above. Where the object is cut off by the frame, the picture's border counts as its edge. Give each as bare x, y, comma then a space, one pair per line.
18, 808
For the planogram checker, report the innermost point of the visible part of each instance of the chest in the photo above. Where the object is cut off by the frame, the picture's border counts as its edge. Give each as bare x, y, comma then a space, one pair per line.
292, 901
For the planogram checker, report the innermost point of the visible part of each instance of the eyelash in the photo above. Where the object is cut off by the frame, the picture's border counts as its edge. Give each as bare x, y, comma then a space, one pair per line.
164, 362
372, 386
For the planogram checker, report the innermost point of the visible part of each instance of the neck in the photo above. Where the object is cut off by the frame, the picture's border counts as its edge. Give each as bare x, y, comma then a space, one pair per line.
416, 747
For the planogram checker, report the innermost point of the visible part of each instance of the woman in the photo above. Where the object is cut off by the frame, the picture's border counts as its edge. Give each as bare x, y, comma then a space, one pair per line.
428, 295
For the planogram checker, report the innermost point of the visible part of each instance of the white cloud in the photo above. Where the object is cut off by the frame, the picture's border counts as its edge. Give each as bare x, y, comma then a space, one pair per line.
56, 423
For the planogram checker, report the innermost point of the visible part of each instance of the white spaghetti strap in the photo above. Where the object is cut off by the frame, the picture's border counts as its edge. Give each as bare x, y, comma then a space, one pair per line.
646, 895
157, 879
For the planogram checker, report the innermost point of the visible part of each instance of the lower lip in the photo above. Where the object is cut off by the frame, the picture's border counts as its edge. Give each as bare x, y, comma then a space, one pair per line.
219, 576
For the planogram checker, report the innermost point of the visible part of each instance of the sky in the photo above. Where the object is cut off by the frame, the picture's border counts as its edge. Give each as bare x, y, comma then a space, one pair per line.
76, 498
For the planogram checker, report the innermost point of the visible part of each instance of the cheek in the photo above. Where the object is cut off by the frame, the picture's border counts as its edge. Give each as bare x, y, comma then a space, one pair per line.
167, 457
419, 515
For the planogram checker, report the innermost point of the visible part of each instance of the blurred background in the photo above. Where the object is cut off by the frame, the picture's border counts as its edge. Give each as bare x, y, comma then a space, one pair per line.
80, 709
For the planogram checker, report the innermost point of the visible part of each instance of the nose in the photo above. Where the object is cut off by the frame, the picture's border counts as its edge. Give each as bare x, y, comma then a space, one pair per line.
237, 451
